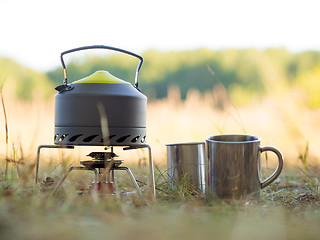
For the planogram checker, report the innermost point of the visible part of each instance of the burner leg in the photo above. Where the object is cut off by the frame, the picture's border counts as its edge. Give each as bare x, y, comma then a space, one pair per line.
113, 180
112, 175
67, 173
133, 180
152, 185
96, 174
38, 157
151, 170
103, 175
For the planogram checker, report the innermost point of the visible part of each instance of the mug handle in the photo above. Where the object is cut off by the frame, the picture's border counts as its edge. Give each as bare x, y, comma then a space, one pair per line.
277, 172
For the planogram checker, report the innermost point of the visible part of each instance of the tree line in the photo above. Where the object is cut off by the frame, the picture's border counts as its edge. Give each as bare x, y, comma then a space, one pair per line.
242, 72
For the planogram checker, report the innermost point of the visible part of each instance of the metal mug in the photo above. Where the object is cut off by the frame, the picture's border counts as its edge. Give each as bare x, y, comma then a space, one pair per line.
185, 162
233, 166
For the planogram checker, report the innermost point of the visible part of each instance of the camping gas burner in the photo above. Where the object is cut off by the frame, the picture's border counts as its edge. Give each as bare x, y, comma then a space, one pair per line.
102, 155
102, 160
100, 110
101, 163
103, 170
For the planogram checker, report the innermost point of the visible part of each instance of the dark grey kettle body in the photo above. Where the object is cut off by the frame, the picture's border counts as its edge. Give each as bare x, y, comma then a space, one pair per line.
100, 109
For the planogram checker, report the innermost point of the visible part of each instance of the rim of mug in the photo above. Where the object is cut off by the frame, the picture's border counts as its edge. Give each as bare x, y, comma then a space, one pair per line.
251, 137
186, 143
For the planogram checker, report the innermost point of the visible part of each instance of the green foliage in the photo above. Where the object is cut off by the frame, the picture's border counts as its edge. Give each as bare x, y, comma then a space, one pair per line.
246, 74
186, 69
303, 62
309, 81
23, 82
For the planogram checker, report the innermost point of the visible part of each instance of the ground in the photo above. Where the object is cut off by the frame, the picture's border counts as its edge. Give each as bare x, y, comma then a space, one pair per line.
287, 209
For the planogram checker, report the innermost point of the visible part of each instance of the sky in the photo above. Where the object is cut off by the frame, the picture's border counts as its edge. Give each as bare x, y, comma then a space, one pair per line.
35, 32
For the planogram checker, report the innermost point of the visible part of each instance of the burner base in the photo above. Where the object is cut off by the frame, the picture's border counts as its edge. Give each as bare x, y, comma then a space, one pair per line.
101, 163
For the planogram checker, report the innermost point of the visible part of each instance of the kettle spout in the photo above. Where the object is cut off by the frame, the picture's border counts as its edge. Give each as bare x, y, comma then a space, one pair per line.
62, 88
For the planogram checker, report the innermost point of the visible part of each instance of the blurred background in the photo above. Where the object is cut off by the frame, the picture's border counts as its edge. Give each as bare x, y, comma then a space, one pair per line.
210, 67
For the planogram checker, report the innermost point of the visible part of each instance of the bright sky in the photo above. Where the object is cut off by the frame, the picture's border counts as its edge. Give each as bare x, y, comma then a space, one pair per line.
35, 32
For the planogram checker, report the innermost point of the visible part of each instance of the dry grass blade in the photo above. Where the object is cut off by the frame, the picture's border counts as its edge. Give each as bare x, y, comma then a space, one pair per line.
237, 118
303, 156
104, 124
105, 137
6, 128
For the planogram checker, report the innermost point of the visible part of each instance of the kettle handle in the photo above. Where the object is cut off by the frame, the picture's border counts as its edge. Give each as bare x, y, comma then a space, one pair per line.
65, 81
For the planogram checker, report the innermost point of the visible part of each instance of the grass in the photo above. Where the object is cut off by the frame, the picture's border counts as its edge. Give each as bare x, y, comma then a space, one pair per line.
287, 209
5, 126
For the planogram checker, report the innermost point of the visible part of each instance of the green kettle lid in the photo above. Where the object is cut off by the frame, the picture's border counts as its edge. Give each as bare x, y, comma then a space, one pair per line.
101, 76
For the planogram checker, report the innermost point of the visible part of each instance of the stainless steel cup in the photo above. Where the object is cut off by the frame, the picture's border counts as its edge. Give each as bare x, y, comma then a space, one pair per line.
233, 166
185, 163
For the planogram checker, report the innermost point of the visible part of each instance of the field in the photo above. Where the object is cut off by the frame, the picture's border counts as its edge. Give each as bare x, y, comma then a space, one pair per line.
287, 209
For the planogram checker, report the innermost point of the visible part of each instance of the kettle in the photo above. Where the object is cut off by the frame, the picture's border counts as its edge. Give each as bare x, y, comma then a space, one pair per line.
100, 109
